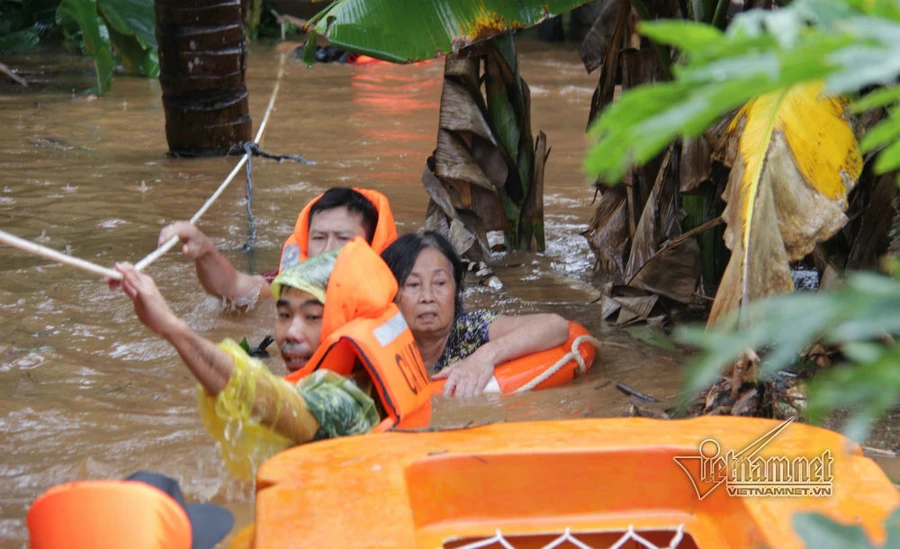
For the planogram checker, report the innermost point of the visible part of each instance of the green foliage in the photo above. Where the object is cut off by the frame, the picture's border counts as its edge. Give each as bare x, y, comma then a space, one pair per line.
864, 309
20, 40
850, 44
823, 533
132, 31
131, 18
95, 37
101, 28
110, 31
23, 21
403, 31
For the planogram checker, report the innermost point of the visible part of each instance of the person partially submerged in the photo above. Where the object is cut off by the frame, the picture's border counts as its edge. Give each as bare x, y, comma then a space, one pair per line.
330, 297
328, 222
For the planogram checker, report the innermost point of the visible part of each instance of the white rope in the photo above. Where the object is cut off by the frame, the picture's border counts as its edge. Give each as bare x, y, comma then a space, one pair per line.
157, 253
573, 354
48, 253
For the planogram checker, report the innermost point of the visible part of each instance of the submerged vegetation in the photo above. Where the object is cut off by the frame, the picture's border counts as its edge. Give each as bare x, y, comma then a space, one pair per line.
110, 31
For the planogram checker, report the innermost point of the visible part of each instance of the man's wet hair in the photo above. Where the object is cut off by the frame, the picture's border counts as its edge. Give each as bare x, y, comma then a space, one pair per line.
356, 203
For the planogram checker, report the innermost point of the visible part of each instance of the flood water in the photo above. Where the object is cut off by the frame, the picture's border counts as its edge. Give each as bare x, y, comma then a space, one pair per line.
87, 392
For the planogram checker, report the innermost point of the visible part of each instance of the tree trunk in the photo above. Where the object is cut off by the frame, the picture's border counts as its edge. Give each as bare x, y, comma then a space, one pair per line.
202, 58
484, 174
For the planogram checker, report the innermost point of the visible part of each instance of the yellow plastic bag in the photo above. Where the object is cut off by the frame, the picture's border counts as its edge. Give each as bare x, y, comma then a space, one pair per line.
256, 405
229, 418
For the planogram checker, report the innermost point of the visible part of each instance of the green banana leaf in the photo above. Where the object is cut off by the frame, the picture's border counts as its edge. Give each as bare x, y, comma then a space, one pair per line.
96, 37
135, 55
126, 28
404, 31
131, 18
20, 40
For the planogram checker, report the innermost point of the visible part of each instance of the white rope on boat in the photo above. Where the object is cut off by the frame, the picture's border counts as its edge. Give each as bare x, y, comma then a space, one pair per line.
157, 253
53, 255
573, 354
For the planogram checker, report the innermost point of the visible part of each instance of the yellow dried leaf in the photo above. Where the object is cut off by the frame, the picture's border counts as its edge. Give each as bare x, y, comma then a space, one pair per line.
796, 158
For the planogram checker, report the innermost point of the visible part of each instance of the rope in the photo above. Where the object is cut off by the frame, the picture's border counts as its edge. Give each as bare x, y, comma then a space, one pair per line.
250, 149
251, 223
573, 354
48, 253
156, 254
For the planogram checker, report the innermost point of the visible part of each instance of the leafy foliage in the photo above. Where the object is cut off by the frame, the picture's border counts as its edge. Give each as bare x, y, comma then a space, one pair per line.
823, 533
20, 40
404, 31
95, 37
864, 309
794, 158
126, 27
107, 30
850, 44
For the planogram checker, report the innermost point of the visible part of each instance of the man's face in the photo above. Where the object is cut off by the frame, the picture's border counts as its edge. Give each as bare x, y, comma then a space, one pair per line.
298, 328
330, 229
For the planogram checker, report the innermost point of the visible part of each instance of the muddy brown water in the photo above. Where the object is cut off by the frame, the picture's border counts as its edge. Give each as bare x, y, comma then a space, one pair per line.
87, 392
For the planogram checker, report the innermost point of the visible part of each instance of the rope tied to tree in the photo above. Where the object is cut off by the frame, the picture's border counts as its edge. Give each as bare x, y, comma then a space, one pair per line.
249, 149
156, 254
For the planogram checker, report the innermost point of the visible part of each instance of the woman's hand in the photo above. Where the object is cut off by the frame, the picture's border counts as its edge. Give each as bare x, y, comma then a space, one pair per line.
469, 376
149, 305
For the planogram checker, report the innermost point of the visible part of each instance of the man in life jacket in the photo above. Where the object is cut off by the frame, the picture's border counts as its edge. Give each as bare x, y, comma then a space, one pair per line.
329, 221
144, 511
336, 319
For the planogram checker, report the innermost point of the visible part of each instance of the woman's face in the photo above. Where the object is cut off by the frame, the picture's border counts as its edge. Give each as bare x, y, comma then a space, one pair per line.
427, 297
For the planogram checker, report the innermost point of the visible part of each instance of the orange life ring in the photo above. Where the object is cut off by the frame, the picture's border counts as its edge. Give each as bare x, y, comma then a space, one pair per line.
516, 374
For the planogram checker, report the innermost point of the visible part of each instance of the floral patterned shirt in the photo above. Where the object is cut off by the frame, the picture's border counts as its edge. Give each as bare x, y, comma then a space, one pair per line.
469, 332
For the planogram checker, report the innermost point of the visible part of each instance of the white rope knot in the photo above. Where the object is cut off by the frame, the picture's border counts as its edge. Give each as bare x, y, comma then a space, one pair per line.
573, 354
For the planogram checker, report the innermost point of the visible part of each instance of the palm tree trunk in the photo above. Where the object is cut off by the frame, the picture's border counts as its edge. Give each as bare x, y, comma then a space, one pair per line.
202, 58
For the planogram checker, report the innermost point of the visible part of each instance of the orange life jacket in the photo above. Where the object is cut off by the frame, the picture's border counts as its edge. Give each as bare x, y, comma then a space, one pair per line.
361, 322
296, 247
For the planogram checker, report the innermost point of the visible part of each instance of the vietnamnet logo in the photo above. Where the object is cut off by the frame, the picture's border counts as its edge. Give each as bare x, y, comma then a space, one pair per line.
745, 473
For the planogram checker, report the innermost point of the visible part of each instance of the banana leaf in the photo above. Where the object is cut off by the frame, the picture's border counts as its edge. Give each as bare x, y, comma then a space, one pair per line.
404, 31
794, 158
95, 35
21, 40
131, 18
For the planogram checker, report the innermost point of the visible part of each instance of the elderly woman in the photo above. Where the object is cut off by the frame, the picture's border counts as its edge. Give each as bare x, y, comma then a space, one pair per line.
463, 347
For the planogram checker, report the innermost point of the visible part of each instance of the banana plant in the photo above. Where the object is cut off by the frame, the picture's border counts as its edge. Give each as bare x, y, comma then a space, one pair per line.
794, 156
111, 30
633, 232
487, 170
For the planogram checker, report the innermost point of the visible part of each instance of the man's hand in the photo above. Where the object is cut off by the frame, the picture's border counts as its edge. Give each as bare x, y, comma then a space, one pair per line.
149, 305
195, 243
469, 376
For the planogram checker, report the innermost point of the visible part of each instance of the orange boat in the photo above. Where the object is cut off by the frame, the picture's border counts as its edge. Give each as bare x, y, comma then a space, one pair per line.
549, 368
597, 481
